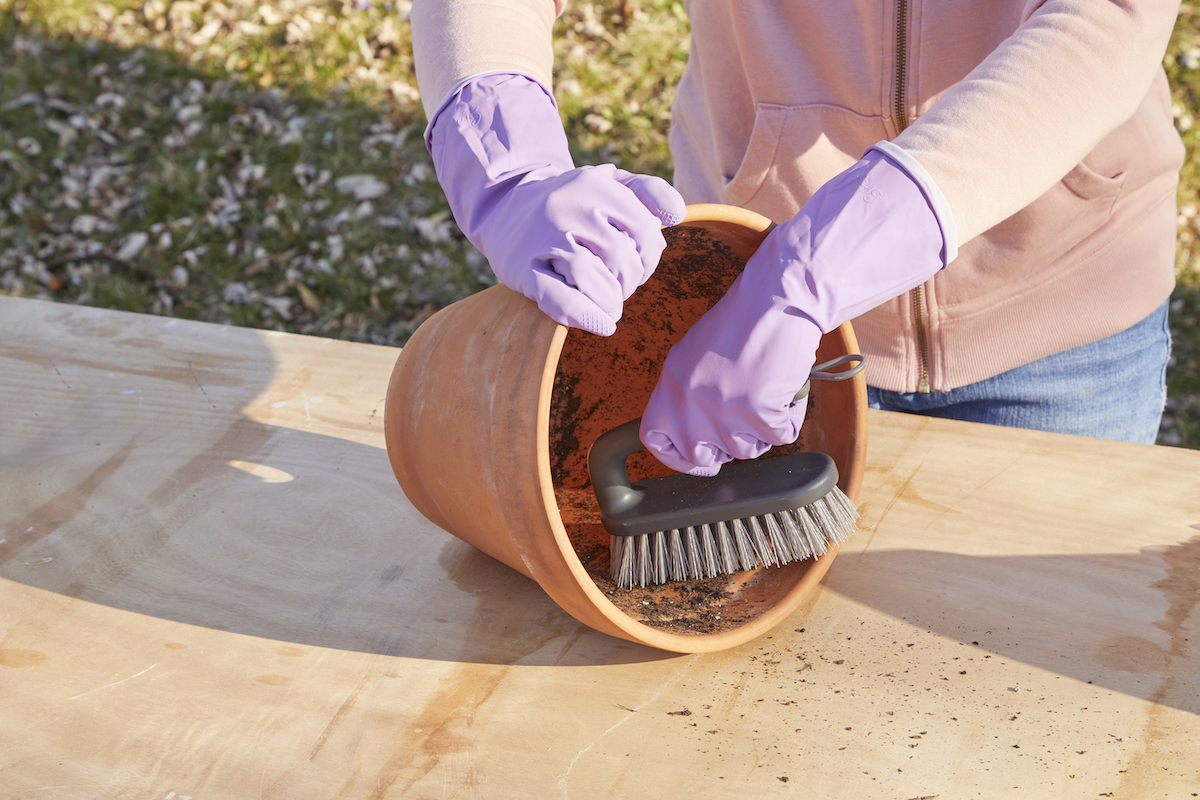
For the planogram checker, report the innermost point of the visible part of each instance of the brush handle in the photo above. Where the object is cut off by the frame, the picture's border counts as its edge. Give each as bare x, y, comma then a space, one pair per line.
606, 466
606, 458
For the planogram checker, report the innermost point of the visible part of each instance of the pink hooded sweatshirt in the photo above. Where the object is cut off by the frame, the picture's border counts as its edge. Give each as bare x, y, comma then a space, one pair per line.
1046, 125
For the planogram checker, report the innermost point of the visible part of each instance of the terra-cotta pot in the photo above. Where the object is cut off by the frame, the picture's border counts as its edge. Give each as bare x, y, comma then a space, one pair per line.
492, 406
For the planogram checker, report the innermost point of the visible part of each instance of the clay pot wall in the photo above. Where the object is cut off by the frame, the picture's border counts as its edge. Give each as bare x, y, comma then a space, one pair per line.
492, 407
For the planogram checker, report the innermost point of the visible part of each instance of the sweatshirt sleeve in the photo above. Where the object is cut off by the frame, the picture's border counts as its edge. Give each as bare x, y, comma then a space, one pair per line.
454, 39
1071, 73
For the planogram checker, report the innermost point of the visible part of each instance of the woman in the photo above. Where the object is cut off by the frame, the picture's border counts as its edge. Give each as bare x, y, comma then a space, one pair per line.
986, 188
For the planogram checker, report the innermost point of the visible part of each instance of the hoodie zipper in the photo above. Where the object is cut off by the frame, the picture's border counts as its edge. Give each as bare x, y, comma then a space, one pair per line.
901, 63
917, 295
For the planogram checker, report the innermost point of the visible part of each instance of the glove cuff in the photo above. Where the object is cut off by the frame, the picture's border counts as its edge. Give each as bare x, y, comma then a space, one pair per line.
495, 130
938, 203
478, 78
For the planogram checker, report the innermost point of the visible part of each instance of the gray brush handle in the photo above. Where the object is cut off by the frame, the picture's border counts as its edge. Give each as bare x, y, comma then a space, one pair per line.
606, 465
606, 458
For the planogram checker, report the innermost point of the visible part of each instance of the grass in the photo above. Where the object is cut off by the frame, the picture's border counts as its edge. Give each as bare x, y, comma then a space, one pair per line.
1182, 424
282, 193
261, 163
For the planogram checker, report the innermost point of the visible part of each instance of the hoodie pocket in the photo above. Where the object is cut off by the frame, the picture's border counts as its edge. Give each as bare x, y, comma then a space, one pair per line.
1134, 165
792, 151
1014, 255
1088, 185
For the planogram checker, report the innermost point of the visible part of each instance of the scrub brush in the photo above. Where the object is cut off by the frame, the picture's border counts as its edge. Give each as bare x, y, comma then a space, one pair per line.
767, 512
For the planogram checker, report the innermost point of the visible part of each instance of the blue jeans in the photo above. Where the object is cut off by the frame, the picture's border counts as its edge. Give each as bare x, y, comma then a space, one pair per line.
1111, 389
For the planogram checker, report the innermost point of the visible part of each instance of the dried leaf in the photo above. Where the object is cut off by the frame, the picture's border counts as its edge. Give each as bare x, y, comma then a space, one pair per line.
362, 187
309, 298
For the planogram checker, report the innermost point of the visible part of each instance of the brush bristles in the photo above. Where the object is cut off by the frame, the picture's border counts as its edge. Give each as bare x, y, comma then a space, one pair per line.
721, 548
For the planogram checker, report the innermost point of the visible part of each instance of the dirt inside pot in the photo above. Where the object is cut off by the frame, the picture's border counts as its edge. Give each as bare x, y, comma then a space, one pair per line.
604, 381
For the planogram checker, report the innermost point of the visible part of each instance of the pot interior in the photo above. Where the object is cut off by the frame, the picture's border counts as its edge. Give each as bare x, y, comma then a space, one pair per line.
602, 382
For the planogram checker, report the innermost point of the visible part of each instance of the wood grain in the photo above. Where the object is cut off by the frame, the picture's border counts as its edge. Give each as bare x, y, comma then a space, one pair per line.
211, 586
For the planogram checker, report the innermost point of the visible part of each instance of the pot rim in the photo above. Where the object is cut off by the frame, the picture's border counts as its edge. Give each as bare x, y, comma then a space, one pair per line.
610, 615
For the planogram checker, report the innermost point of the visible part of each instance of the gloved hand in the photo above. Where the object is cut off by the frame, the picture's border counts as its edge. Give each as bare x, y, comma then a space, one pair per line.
871, 233
577, 241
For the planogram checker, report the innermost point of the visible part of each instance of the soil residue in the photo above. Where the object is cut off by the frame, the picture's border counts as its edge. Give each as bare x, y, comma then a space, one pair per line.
704, 606
605, 381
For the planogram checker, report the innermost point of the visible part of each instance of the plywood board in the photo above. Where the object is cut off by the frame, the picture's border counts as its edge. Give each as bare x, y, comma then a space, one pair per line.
212, 587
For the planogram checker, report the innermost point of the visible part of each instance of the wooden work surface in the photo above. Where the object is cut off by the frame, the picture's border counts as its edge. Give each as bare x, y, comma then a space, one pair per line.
211, 586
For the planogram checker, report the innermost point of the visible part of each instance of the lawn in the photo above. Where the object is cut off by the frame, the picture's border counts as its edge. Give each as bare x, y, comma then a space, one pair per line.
261, 163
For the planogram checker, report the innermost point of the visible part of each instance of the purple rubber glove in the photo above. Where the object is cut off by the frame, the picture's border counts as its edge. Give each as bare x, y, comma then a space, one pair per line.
577, 241
726, 390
